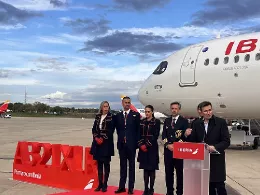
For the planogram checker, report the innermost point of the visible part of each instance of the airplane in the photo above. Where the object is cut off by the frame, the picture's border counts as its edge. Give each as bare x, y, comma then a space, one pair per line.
4, 108
157, 115
223, 71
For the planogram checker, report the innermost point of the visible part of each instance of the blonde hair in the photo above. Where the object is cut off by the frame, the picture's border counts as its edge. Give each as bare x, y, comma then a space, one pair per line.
101, 107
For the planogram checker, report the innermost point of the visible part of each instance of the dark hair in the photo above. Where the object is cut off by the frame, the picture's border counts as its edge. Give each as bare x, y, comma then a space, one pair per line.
176, 103
204, 104
126, 98
151, 107
199, 106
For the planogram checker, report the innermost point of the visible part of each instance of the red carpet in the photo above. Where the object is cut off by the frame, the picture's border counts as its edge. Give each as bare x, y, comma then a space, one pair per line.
110, 191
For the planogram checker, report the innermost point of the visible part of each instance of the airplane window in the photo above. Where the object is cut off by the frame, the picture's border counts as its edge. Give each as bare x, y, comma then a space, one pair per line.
236, 59
216, 61
206, 62
257, 56
226, 59
247, 57
161, 68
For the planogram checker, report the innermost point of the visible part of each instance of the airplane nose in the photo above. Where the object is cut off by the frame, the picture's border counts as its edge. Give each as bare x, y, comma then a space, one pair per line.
142, 93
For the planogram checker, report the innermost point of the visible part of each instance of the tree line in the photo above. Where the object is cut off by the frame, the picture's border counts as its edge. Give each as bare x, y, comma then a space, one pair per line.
39, 107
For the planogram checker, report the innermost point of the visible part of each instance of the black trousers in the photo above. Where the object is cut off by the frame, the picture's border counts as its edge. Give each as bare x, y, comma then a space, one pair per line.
217, 188
171, 163
103, 172
125, 154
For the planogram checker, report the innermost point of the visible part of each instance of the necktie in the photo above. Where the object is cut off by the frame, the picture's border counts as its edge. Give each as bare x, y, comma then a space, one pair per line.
125, 126
173, 122
125, 117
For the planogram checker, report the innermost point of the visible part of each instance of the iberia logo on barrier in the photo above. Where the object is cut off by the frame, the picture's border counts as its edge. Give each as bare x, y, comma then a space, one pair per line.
186, 150
55, 165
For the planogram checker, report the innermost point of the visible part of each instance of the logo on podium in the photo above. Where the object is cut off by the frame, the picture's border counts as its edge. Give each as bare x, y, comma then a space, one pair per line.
187, 150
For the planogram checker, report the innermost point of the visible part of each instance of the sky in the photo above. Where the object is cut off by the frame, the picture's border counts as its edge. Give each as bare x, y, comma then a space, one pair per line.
77, 53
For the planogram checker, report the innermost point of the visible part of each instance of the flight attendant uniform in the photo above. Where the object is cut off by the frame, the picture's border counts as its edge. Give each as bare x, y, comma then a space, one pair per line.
103, 146
149, 158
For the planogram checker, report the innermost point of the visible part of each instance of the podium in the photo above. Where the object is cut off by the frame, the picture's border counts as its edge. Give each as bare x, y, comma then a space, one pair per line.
196, 167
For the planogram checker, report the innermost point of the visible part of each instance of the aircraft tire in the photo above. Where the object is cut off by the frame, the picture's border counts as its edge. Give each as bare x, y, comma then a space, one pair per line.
256, 143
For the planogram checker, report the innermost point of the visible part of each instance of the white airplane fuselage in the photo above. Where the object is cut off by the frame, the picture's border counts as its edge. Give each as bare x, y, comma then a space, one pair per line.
157, 115
202, 72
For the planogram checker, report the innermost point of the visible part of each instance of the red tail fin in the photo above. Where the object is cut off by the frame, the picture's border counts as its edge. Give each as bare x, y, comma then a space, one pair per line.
4, 107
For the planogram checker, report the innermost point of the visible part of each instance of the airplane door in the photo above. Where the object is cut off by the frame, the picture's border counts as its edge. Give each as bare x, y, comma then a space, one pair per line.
188, 67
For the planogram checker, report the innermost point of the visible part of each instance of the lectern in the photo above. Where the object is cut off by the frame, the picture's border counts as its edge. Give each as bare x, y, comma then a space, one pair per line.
196, 167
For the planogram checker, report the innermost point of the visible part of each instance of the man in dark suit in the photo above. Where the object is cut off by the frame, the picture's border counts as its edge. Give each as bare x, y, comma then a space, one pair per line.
214, 132
197, 118
173, 131
127, 128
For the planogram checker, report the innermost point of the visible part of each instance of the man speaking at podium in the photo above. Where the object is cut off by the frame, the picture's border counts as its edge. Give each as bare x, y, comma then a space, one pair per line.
214, 132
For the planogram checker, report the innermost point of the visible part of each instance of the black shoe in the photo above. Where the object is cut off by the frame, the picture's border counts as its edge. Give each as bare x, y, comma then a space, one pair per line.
104, 188
98, 189
146, 192
151, 191
130, 191
120, 190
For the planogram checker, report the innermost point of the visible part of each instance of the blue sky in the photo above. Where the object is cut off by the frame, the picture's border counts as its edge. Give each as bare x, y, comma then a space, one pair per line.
79, 53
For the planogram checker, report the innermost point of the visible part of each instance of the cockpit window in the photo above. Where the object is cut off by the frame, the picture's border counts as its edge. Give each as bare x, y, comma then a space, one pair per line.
161, 68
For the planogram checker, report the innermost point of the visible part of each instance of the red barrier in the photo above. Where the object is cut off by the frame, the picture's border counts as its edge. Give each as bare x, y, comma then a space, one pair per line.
64, 171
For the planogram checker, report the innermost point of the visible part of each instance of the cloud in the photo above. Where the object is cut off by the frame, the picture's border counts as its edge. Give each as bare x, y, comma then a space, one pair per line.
10, 15
12, 27
87, 26
56, 95
222, 11
139, 5
20, 82
4, 73
179, 33
86, 81
53, 64
121, 42
52, 40
96, 92
147, 42
59, 3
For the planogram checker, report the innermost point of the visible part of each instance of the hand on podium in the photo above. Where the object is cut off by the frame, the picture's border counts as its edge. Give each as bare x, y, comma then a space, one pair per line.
212, 149
188, 132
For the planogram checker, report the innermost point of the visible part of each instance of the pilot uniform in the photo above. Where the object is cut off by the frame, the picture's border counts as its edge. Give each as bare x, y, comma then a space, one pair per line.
148, 158
127, 128
173, 131
103, 129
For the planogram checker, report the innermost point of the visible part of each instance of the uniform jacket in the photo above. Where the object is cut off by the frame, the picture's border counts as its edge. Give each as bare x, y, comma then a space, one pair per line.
130, 131
149, 133
106, 132
170, 135
218, 136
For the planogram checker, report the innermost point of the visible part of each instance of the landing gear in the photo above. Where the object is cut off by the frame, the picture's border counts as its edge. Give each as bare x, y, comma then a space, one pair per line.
256, 143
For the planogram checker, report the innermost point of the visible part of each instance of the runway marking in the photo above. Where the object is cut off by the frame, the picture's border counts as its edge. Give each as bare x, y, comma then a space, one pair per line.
241, 185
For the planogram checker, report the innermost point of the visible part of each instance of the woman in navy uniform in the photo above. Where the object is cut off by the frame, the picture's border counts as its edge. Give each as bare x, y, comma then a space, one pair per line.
148, 156
103, 144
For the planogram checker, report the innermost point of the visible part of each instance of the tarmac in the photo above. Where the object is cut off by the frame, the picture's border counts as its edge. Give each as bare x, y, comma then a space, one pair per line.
243, 168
